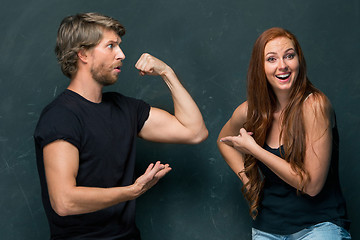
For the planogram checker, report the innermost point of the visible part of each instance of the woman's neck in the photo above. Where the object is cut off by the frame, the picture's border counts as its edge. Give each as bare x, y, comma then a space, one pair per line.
282, 101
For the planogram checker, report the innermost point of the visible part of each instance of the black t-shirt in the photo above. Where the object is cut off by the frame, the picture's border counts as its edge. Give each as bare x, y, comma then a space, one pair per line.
283, 211
105, 135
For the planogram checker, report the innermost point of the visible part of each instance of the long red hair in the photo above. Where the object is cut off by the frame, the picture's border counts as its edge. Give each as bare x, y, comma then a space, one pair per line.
261, 106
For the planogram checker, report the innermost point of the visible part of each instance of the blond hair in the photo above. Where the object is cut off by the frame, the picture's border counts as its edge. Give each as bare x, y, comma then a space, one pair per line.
81, 31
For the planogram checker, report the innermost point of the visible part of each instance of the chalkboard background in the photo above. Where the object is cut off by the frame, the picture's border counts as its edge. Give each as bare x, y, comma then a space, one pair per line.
208, 43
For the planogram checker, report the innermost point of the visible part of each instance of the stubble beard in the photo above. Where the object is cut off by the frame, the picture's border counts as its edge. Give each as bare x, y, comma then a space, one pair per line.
101, 76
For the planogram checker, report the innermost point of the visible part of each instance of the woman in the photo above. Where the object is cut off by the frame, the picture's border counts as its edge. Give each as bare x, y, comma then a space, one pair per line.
283, 144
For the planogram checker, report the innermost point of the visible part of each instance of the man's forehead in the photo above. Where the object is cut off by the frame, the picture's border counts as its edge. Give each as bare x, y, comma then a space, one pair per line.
110, 36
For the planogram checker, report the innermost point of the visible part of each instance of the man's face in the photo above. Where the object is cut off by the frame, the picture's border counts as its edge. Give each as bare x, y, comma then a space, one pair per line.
106, 59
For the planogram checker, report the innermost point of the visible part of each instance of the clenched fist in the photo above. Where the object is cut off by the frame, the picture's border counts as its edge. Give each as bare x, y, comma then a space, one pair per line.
150, 65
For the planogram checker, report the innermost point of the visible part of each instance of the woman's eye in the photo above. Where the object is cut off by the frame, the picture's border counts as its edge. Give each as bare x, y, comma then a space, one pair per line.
110, 46
290, 56
271, 59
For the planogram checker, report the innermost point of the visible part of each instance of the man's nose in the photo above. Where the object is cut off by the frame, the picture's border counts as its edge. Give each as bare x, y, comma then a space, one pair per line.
120, 54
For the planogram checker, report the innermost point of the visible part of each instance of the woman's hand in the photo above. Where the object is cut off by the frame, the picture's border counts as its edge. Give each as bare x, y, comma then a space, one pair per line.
243, 142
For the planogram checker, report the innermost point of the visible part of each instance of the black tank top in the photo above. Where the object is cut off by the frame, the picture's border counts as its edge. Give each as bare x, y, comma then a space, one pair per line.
283, 211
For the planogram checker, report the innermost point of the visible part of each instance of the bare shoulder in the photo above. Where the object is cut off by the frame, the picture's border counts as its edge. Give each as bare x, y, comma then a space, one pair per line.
317, 107
235, 123
239, 116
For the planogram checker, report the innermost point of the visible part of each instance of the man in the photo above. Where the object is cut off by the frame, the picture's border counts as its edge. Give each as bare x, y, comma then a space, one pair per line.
85, 139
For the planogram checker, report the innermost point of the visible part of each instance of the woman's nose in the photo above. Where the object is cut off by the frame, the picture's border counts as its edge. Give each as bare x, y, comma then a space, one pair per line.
282, 65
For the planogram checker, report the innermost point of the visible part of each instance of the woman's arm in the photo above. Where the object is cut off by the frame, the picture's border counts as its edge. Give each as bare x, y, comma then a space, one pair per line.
233, 157
317, 120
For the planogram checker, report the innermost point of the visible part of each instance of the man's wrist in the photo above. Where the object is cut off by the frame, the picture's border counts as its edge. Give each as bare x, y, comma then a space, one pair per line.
168, 72
135, 190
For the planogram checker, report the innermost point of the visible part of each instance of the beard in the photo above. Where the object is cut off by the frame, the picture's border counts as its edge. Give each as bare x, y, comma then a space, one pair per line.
103, 75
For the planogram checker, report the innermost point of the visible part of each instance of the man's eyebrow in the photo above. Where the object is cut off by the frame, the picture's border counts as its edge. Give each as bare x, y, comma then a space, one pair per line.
114, 41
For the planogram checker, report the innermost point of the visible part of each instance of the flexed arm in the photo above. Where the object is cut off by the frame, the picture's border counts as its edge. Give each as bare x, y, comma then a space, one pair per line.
187, 124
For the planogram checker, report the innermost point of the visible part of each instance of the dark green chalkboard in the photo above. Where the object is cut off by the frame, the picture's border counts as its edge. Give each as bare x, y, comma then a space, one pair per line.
208, 43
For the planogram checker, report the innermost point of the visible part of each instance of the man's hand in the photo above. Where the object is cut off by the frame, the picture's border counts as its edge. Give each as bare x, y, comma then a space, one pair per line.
149, 65
152, 175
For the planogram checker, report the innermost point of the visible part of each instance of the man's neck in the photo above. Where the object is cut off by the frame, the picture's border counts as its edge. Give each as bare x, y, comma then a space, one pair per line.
86, 87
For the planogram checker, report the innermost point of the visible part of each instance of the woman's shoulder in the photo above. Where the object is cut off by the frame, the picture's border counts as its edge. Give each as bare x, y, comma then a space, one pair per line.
240, 113
242, 109
317, 105
317, 101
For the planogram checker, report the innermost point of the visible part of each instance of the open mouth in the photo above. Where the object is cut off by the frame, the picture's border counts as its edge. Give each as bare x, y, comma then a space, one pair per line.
118, 68
283, 76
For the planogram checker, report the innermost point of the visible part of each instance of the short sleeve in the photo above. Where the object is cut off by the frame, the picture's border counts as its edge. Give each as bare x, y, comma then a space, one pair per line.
58, 123
143, 112
137, 109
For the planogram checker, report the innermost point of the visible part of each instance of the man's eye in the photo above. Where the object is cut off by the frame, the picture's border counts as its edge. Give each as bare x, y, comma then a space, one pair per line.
110, 46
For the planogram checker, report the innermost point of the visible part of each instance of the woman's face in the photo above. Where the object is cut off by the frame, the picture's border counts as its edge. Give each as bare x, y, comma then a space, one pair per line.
281, 64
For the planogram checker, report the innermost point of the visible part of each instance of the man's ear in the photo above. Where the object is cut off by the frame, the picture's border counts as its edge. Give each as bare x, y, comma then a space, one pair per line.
83, 55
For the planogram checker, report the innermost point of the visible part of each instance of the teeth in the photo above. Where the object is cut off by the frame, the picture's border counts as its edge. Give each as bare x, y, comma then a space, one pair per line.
283, 76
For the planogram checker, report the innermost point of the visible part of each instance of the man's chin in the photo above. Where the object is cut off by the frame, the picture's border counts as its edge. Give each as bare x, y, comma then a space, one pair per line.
107, 82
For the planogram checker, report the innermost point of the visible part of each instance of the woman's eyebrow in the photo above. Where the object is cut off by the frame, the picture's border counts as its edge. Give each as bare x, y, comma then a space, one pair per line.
289, 49
271, 53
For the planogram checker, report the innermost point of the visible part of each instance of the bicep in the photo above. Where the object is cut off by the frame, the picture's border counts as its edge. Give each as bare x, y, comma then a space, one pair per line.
162, 126
61, 163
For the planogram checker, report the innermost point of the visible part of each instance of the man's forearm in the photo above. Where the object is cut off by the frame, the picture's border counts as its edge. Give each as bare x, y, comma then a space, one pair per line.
185, 108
